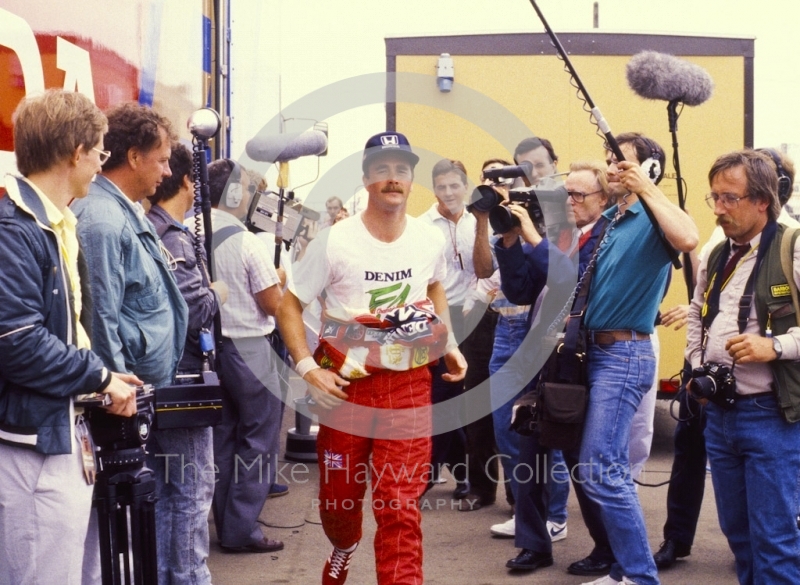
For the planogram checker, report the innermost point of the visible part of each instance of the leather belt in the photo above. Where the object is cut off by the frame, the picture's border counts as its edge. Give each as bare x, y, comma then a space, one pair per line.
613, 336
738, 397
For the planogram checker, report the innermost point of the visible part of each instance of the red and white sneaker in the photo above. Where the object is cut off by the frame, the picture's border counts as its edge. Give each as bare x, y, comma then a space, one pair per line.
337, 565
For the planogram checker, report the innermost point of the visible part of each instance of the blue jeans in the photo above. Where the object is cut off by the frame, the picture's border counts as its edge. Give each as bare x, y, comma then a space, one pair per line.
619, 376
559, 488
507, 384
183, 463
755, 460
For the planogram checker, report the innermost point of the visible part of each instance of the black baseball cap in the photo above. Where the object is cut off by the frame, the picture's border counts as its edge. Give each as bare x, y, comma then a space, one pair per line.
388, 142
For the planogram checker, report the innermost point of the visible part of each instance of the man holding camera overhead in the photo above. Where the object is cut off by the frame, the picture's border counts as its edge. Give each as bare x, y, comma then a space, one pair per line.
743, 343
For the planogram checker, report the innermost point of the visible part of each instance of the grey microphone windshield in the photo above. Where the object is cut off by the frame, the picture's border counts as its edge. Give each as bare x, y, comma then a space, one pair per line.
285, 147
658, 76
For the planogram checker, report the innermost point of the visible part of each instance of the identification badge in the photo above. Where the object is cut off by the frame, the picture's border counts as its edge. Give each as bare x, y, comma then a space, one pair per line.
87, 450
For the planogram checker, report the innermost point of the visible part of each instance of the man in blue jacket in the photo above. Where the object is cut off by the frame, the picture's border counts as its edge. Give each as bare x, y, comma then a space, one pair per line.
139, 317
45, 499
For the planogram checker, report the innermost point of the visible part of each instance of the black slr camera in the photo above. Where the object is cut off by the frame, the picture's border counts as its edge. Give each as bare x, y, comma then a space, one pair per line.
545, 207
716, 383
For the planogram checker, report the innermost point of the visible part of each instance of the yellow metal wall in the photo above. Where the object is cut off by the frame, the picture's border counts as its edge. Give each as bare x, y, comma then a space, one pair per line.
537, 90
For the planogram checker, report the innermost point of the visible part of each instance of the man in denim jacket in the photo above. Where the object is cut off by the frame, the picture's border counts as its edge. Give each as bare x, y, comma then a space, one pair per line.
139, 317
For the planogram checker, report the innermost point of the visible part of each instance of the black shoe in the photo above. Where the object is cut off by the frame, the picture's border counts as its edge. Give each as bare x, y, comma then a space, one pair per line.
590, 566
528, 560
461, 490
472, 502
669, 551
264, 546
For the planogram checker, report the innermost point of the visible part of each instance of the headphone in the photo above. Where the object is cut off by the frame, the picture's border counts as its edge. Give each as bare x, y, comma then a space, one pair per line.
784, 180
652, 165
233, 197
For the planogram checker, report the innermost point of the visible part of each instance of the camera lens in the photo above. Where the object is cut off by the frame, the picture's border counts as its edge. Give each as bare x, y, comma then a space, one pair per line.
484, 198
502, 220
704, 386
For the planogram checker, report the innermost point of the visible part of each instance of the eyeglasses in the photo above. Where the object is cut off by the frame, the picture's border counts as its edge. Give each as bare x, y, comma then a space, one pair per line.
580, 196
729, 200
104, 155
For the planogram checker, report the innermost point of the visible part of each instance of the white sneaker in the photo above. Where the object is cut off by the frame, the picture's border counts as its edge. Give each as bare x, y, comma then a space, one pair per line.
556, 531
607, 580
504, 530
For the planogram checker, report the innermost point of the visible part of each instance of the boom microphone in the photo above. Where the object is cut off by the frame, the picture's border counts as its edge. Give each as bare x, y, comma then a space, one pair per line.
658, 76
285, 147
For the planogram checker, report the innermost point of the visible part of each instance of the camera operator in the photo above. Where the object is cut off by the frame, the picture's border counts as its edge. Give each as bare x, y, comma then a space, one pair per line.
513, 322
190, 483
751, 344
45, 489
139, 317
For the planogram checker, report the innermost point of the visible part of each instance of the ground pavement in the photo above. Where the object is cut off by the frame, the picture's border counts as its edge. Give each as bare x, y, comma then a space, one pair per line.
458, 548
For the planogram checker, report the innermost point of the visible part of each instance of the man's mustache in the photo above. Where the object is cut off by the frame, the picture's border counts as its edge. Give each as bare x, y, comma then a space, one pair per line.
392, 189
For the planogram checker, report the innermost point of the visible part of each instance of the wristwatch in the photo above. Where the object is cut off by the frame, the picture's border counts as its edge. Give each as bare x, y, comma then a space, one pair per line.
776, 345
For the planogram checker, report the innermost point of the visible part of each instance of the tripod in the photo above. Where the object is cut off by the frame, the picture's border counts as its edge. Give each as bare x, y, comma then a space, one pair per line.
124, 497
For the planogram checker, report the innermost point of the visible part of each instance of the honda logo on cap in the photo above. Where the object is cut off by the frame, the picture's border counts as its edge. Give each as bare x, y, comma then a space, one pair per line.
390, 140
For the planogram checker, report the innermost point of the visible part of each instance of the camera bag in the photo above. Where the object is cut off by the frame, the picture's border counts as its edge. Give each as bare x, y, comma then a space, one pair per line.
556, 408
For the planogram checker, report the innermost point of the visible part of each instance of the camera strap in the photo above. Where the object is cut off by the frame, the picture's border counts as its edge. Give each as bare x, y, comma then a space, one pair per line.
711, 305
570, 354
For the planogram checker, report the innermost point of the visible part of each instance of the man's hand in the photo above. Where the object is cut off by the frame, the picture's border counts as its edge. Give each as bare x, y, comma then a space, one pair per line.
527, 229
678, 316
700, 401
750, 348
456, 366
326, 387
633, 177
122, 391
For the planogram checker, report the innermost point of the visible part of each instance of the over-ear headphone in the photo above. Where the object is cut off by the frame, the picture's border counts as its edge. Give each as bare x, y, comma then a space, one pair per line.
652, 164
784, 180
233, 189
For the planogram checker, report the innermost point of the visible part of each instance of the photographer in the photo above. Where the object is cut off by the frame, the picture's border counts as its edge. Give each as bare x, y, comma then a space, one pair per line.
753, 446
45, 490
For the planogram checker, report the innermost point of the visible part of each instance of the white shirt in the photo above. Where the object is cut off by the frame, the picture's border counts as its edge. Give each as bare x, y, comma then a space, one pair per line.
750, 377
245, 263
362, 275
459, 243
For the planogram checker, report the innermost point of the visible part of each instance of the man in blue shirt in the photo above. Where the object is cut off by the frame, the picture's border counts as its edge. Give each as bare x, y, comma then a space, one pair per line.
630, 276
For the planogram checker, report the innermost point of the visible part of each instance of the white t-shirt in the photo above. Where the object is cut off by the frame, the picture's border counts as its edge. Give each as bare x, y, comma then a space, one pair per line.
361, 274
459, 245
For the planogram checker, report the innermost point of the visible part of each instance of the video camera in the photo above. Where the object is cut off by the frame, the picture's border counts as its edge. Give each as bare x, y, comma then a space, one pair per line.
546, 207
262, 216
120, 440
546, 204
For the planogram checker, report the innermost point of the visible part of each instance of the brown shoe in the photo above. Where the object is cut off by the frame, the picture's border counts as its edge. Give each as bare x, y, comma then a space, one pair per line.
264, 546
